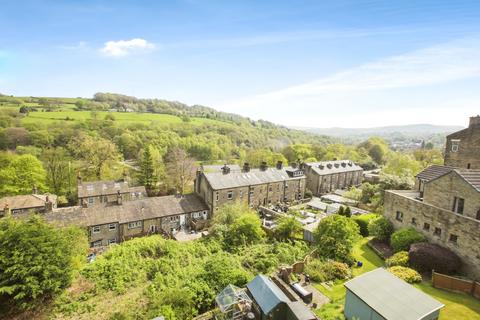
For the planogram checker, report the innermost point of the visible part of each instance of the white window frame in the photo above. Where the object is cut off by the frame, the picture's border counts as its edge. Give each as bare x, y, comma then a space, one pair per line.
91, 200
135, 224
111, 241
96, 229
455, 145
110, 227
96, 244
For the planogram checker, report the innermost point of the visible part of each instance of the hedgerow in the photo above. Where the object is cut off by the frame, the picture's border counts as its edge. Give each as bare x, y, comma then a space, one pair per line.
402, 239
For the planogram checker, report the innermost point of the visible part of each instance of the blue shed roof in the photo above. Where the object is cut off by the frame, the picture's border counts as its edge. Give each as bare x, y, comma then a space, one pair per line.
266, 293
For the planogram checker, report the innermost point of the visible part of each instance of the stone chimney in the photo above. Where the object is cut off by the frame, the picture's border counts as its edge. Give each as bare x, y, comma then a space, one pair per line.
302, 166
79, 178
225, 169
48, 204
263, 166
279, 165
34, 189
474, 121
294, 165
119, 198
246, 167
6, 210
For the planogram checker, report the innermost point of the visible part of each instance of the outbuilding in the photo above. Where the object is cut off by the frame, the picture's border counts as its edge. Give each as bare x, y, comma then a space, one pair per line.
378, 295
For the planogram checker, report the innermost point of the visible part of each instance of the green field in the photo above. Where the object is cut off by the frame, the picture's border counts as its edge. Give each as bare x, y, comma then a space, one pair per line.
121, 117
457, 306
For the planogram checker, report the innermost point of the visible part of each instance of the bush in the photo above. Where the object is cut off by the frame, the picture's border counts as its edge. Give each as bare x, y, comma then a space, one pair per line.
402, 239
363, 221
398, 259
427, 257
380, 228
321, 271
407, 274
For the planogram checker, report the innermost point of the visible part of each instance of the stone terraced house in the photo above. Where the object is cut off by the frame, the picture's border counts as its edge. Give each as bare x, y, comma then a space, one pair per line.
107, 192
17, 205
445, 204
255, 187
327, 176
117, 223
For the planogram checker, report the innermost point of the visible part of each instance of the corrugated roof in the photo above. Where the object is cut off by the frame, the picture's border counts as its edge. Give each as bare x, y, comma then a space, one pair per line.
472, 176
98, 188
219, 181
434, 172
26, 201
129, 211
391, 297
266, 293
337, 166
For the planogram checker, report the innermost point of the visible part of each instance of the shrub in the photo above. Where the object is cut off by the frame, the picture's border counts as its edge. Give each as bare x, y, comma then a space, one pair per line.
427, 257
402, 239
407, 274
380, 228
321, 271
398, 259
363, 221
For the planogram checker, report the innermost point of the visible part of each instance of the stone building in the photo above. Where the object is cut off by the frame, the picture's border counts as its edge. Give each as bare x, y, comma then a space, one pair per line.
107, 192
327, 176
17, 205
463, 147
117, 223
255, 187
445, 207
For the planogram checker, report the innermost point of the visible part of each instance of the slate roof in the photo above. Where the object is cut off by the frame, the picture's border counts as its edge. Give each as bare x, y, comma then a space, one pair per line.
434, 172
218, 168
98, 188
129, 211
26, 201
391, 297
472, 176
266, 293
337, 166
219, 181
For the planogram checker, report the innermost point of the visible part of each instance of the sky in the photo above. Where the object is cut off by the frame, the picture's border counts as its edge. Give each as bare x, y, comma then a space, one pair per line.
297, 63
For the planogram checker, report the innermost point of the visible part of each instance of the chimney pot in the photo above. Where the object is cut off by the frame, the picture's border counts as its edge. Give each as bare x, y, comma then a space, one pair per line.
279, 165
226, 169
246, 167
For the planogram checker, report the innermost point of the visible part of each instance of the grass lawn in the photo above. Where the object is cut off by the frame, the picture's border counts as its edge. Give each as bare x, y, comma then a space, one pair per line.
457, 306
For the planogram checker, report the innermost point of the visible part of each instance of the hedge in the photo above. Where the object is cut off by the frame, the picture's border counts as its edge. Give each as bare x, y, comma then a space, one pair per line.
363, 220
380, 228
407, 274
398, 259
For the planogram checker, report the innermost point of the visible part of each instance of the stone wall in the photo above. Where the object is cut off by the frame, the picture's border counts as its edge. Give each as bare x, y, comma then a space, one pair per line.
468, 148
104, 234
417, 213
441, 193
322, 184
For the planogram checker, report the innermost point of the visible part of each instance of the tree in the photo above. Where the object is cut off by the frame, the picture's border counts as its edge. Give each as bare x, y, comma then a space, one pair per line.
147, 170
95, 153
287, 227
180, 169
335, 237
380, 228
37, 260
57, 163
245, 230
21, 175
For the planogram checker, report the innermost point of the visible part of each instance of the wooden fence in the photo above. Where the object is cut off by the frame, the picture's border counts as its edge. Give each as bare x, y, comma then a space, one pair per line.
443, 281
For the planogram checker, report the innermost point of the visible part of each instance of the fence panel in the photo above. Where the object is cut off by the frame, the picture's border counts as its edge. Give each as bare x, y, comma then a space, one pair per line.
443, 281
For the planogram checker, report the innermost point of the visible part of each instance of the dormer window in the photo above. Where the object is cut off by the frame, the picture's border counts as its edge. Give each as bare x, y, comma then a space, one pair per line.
455, 145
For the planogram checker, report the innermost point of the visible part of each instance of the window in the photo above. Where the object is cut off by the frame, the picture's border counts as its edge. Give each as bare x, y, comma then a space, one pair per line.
455, 145
111, 241
437, 231
468, 165
241, 194
399, 216
112, 226
414, 221
230, 195
453, 238
270, 189
96, 244
135, 224
89, 187
216, 196
251, 194
90, 200
458, 204
478, 214
426, 226
96, 229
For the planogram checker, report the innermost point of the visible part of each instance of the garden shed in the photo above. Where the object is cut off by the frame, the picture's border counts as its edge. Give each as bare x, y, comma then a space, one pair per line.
378, 295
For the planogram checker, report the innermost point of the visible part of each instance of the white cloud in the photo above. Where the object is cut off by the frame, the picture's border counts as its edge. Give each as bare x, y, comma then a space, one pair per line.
383, 86
123, 48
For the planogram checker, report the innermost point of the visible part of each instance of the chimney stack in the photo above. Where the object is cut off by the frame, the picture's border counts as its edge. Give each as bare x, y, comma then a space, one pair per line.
263, 166
279, 165
246, 167
226, 169
79, 178
34, 189
48, 204
119, 198
474, 121
294, 165
6, 210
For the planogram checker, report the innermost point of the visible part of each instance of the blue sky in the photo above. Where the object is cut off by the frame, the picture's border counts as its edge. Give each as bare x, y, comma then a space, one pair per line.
299, 63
